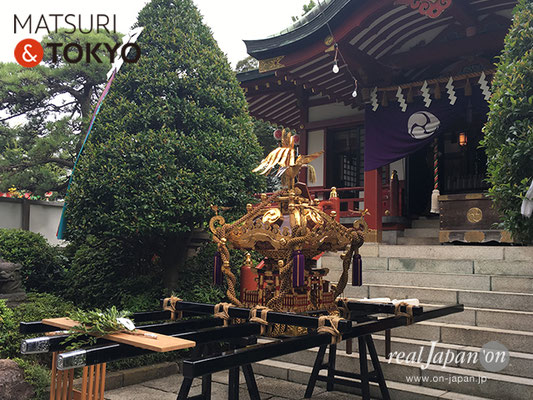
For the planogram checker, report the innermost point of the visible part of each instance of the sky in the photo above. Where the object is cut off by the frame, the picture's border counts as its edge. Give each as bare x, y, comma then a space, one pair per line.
230, 20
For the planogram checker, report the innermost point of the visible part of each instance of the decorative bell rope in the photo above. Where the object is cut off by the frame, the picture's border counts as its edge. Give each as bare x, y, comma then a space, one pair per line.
262, 319
436, 164
169, 304
333, 330
435, 194
408, 314
221, 311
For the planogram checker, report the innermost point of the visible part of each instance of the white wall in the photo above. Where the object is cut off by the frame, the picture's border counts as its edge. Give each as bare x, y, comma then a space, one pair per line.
331, 111
315, 142
44, 217
10, 214
399, 166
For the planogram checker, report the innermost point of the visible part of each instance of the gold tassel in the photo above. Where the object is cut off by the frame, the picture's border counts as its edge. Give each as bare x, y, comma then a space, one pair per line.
437, 93
312, 173
468, 88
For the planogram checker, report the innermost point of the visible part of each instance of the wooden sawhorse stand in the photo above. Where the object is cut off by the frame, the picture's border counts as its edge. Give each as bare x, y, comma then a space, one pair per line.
92, 384
233, 378
233, 385
336, 376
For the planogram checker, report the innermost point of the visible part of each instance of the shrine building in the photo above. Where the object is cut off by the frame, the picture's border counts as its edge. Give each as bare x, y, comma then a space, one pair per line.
395, 92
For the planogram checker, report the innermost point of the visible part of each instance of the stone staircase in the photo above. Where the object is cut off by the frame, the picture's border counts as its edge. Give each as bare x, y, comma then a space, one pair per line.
495, 284
422, 231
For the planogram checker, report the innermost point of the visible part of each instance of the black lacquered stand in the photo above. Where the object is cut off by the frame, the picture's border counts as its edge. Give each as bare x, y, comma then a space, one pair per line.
338, 377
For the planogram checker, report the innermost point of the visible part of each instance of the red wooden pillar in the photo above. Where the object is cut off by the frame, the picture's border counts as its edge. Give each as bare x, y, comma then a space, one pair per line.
373, 203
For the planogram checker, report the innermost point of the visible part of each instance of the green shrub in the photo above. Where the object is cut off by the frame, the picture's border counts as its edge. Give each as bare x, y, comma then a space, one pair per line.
36, 307
508, 137
110, 273
36, 375
196, 277
8, 330
41, 264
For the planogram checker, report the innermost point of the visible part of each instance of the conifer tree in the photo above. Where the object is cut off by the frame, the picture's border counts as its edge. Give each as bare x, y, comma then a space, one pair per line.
173, 137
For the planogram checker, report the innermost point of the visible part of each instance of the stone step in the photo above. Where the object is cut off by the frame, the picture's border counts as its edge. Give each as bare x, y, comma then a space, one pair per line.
480, 267
456, 383
422, 279
470, 298
408, 241
514, 284
491, 318
467, 335
432, 223
422, 232
450, 252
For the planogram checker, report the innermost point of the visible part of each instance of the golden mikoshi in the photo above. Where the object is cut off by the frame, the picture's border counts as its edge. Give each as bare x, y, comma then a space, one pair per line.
289, 229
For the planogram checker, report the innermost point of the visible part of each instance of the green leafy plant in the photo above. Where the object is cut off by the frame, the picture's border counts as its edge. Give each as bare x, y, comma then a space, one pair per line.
36, 307
36, 375
95, 324
110, 272
508, 137
42, 268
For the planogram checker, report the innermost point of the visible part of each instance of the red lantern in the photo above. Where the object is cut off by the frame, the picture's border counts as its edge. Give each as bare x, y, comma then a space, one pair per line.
277, 134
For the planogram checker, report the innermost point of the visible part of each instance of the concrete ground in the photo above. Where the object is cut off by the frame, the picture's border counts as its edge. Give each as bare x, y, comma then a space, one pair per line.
269, 388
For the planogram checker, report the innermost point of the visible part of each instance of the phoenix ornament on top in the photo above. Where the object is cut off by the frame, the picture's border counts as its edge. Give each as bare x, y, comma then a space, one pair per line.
289, 165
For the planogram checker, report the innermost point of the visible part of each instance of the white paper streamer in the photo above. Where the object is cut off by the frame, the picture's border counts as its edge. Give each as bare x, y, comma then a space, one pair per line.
451, 91
401, 99
425, 94
374, 98
484, 85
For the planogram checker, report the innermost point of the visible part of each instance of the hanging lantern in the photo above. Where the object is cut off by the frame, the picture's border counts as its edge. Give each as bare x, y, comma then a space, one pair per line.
354, 93
277, 134
335, 65
463, 139
335, 68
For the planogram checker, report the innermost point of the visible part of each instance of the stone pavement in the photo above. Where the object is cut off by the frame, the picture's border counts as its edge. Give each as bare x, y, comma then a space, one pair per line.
269, 389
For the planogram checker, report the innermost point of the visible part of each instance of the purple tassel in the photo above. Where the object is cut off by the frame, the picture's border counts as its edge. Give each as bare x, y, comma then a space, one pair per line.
298, 268
357, 270
217, 270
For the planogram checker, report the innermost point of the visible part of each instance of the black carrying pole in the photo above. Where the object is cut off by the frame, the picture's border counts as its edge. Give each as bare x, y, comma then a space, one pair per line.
273, 317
